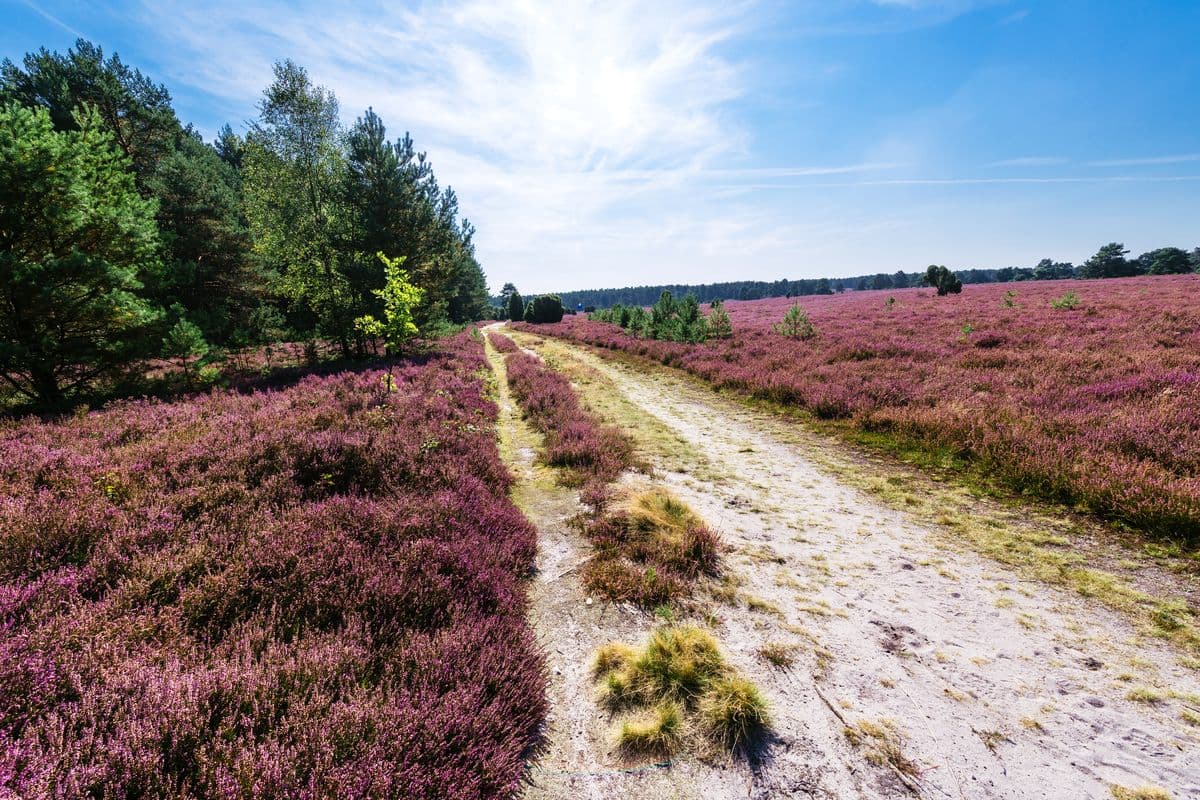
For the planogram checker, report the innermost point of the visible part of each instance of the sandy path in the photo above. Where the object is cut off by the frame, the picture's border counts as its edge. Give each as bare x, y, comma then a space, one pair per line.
1001, 687
579, 761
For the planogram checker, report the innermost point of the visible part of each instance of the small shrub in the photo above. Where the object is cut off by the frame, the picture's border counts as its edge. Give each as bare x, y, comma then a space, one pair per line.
502, 343
546, 308
719, 324
1065, 303
796, 324
650, 550
942, 279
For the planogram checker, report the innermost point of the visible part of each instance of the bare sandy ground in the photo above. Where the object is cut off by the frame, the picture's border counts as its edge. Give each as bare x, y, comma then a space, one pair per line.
996, 687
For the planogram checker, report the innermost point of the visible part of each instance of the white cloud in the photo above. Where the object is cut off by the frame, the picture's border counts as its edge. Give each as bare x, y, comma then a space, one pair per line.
1030, 161
553, 121
1148, 162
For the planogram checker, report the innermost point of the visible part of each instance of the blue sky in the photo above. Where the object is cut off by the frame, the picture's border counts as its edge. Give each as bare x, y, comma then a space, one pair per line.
613, 143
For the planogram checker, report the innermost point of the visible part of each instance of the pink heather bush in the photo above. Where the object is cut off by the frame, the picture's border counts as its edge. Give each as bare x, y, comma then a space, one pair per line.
596, 454
1097, 406
502, 343
315, 591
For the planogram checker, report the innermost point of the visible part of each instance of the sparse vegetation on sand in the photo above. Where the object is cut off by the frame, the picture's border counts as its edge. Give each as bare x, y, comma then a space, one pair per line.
676, 691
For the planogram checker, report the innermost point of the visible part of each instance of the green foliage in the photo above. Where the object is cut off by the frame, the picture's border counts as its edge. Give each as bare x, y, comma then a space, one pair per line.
186, 343
1049, 270
795, 324
206, 243
1010, 299
1109, 262
669, 320
395, 205
718, 323
293, 172
890, 303
543, 309
204, 261
75, 240
400, 297
516, 306
136, 111
1165, 261
942, 279
1065, 303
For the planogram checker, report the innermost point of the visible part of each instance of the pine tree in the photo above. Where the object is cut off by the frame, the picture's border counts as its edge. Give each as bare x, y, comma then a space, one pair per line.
69, 312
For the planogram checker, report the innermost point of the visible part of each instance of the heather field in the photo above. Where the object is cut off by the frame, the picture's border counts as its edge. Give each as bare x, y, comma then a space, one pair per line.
312, 591
1096, 405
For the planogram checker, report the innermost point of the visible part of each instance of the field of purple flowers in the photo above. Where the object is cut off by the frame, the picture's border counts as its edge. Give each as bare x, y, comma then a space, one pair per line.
314, 591
1095, 402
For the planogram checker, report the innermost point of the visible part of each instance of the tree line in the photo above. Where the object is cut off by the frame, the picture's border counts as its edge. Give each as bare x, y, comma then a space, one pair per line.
125, 236
1109, 262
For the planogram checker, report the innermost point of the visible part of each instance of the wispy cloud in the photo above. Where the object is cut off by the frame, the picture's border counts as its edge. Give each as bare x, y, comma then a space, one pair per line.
979, 181
1186, 158
1017, 16
547, 118
1029, 161
46, 15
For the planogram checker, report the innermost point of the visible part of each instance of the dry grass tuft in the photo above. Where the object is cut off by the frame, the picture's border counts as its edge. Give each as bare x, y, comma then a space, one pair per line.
1146, 792
1144, 694
780, 655
733, 712
679, 681
658, 731
883, 745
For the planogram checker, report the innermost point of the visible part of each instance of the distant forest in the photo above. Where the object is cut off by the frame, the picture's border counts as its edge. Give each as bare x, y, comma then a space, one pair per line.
1109, 262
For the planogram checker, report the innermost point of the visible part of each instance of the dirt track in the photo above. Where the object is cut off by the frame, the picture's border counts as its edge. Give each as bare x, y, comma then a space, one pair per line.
997, 686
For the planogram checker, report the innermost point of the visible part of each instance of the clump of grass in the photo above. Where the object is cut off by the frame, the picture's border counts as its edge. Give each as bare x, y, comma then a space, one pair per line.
733, 712
611, 657
658, 731
779, 655
679, 682
1144, 694
649, 550
883, 745
1145, 792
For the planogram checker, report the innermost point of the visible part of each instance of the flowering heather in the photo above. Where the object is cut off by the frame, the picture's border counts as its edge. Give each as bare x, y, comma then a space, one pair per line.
1097, 405
502, 343
315, 591
596, 454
